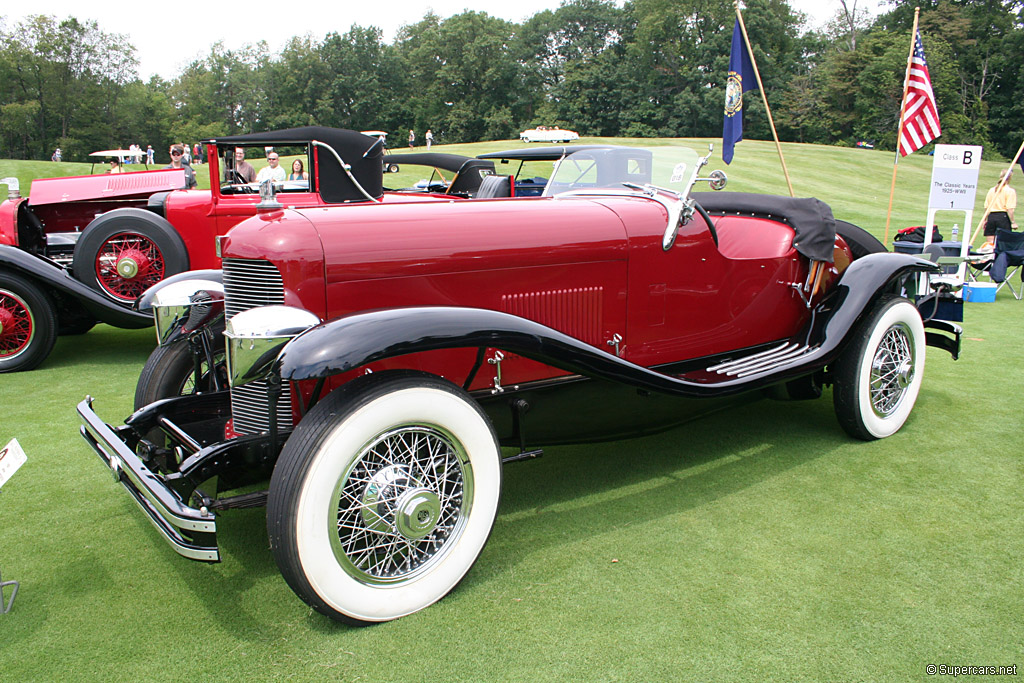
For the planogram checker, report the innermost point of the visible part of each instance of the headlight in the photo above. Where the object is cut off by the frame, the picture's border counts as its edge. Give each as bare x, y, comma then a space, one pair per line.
256, 337
189, 302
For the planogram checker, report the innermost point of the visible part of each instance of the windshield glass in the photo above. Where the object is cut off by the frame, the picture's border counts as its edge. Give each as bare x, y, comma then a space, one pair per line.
596, 169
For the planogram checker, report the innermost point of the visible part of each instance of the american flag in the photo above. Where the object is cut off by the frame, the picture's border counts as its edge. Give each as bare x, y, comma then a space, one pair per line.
920, 117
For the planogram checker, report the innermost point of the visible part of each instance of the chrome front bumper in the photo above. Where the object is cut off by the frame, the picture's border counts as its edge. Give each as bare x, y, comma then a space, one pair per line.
191, 532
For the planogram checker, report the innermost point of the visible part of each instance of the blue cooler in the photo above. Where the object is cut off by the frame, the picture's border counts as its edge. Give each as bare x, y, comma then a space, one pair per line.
980, 292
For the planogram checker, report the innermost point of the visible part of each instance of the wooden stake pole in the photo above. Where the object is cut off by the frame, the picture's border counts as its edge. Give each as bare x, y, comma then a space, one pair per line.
999, 186
899, 131
764, 98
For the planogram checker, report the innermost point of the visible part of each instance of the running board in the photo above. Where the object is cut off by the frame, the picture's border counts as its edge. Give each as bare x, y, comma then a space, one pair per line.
765, 361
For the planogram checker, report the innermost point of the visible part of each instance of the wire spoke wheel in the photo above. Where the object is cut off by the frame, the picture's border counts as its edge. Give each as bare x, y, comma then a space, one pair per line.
892, 370
28, 323
125, 251
879, 375
127, 264
17, 325
384, 496
400, 504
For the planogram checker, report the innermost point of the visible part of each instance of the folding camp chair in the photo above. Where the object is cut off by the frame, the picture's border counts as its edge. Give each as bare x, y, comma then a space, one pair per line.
978, 264
1009, 257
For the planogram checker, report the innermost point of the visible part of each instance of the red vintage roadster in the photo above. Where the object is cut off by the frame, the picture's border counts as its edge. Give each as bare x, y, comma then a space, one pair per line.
372, 362
82, 249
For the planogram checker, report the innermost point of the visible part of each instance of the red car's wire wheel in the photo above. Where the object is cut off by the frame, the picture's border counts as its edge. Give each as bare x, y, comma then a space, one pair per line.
128, 264
17, 326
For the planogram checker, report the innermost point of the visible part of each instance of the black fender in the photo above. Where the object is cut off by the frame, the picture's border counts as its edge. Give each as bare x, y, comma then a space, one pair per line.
860, 286
49, 274
353, 341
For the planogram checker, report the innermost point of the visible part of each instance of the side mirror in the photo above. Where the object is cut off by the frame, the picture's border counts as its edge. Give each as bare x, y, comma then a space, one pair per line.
717, 180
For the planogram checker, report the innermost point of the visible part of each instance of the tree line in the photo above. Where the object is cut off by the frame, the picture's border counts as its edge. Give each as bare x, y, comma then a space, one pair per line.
648, 68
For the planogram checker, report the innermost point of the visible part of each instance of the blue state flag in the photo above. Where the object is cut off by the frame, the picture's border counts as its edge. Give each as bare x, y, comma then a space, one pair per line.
741, 79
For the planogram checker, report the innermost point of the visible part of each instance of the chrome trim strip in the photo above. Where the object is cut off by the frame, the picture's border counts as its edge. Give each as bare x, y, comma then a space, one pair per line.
727, 365
752, 365
761, 367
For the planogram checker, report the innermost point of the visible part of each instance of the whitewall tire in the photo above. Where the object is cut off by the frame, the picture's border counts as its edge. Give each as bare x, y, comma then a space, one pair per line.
384, 497
879, 376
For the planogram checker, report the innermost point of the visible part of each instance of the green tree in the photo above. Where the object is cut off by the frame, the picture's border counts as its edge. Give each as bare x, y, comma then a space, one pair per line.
462, 70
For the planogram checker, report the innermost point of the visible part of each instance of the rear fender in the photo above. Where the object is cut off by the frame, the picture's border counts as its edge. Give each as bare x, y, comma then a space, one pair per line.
49, 274
859, 287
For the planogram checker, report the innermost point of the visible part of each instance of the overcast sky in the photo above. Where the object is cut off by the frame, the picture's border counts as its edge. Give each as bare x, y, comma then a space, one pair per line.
168, 36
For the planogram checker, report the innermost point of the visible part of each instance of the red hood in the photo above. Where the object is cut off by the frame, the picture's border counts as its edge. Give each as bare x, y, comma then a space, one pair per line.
124, 185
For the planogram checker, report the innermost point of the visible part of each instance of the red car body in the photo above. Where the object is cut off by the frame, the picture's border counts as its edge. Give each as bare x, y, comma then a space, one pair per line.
379, 356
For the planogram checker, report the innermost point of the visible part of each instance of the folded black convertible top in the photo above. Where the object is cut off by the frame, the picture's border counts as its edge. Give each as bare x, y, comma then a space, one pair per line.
811, 219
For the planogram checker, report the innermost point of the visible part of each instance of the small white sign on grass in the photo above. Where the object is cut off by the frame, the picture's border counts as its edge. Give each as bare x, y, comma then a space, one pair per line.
954, 177
11, 458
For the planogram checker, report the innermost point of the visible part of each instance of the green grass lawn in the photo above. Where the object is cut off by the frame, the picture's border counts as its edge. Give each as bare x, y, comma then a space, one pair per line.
762, 544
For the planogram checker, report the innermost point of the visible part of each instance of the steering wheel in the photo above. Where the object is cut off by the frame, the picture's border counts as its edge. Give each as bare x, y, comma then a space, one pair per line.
236, 179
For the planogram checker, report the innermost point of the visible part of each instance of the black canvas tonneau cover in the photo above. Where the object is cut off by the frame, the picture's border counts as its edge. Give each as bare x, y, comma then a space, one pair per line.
811, 219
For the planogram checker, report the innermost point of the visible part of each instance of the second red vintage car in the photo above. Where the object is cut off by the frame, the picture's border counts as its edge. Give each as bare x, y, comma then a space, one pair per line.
379, 358
81, 249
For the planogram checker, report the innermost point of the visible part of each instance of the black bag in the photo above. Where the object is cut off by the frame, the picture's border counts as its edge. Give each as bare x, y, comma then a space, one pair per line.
916, 234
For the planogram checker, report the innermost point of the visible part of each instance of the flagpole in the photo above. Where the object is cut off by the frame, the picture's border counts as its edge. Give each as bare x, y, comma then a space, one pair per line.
764, 97
899, 131
1000, 185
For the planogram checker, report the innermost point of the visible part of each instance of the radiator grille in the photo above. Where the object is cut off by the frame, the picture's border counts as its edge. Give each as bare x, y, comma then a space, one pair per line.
247, 284
250, 283
250, 408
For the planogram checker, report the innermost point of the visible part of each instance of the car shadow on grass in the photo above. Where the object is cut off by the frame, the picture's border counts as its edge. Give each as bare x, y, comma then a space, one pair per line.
589, 489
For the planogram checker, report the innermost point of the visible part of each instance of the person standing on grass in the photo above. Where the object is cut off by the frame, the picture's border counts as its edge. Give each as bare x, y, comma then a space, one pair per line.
1000, 202
177, 153
412, 139
429, 138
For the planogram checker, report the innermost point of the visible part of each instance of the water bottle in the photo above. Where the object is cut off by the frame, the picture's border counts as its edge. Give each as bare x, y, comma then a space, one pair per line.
956, 231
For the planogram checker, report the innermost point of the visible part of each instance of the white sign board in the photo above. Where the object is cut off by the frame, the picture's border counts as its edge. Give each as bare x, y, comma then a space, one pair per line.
954, 177
11, 458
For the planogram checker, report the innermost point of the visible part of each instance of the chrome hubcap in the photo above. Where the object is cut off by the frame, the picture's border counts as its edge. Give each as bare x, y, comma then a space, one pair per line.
417, 513
892, 370
127, 268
